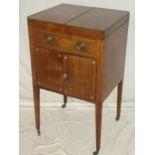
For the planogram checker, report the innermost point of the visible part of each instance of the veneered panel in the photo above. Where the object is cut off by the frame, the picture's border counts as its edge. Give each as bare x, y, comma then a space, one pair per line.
100, 19
81, 77
60, 14
114, 60
49, 68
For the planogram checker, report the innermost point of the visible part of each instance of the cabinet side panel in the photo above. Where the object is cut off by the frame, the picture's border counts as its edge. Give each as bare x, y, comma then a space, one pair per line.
114, 59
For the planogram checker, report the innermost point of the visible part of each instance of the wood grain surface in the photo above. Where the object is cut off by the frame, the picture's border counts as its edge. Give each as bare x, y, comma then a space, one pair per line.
89, 20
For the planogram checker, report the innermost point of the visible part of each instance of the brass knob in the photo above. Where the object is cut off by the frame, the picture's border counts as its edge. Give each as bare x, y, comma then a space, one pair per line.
80, 46
64, 77
48, 39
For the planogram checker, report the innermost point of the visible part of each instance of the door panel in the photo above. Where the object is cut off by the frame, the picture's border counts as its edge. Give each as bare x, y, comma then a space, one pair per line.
80, 81
49, 66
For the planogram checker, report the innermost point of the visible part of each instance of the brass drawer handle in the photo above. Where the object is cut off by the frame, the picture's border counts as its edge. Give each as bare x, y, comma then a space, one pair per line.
64, 77
48, 39
80, 46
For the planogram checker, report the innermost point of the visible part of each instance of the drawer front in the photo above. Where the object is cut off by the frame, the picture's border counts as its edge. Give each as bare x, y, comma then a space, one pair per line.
69, 44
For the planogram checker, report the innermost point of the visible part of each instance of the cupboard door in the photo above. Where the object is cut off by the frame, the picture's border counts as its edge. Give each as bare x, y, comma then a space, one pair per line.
49, 66
80, 75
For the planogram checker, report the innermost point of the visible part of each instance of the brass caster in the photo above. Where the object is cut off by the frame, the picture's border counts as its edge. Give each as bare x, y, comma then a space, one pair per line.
96, 152
38, 132
117, 118
64, 105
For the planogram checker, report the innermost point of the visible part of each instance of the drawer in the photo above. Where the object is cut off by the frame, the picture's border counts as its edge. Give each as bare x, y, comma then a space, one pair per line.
66, 43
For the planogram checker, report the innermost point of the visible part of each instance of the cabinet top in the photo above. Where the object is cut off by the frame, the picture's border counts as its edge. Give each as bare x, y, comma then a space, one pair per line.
92, 18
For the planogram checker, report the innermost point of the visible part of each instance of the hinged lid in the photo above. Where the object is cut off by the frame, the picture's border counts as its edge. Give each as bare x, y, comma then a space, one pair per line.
91, 18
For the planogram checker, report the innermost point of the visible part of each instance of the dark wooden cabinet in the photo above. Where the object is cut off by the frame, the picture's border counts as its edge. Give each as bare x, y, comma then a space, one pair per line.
78, 51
